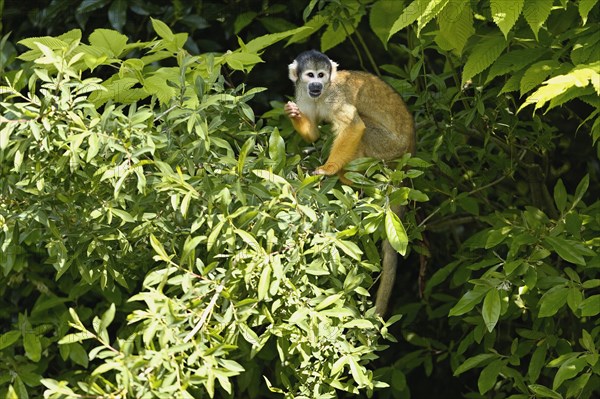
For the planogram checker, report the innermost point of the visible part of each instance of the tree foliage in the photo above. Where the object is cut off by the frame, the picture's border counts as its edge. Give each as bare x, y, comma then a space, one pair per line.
160, 240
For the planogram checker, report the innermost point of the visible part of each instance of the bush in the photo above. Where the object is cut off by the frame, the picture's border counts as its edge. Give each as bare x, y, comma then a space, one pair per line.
173, 243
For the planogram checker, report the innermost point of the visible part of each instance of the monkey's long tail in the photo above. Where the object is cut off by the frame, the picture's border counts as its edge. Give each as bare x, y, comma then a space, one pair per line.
388, 271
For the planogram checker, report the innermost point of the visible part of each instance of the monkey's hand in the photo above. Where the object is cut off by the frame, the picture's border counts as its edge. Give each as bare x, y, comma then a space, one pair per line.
291, 110
304, 126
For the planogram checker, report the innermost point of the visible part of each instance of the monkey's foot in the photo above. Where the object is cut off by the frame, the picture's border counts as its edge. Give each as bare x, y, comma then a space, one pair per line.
328, 169
291, 110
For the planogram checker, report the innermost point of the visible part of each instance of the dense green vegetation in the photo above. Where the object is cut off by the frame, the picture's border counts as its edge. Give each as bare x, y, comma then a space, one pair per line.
161, 235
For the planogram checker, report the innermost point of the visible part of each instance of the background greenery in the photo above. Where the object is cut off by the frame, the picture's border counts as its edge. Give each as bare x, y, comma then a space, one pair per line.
161, 234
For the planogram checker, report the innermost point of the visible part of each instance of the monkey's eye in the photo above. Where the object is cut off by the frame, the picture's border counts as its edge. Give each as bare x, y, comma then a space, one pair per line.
311, 75
321, 74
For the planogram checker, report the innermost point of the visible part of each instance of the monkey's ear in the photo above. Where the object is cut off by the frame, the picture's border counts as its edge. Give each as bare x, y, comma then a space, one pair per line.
293, 71
334, 66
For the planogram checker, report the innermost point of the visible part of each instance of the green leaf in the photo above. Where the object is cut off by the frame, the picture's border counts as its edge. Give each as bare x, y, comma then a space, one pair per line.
78, 354
242, 20
190, 245
264, 282
538, 361
585, 6
491, 309
536, 12
33, 346
159, 249
162, 29
9, 338
574, 298
262, 42
395, 232
311, 27
590, 306
349, 248
87, 6
536, 74
382, 16
468, 301
560, 196
581, 189
568, 370
588, 342
117, 14
328, 301
434, 7
552, 301
107, 317
544, 392
505, 13
334, 36
566, 249
514, 60
277, 147
358, 371
110, 40
576, 387
489, 375
593, 283
473, 362
249, 335
58, 387
577, 81
363, 324
48, 41
496, 237
484, 54
408, 16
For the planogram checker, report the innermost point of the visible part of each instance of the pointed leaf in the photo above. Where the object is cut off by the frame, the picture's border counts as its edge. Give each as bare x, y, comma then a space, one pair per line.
395, 232
590, 307
382, 17
489, 375
505, 13
110, 40
568, 370
552, 301
162, 29
468, 301
566, 249
408, 16
544, 392
485, 52
585, 6
491, 309
473, 362
560, 196
536, 12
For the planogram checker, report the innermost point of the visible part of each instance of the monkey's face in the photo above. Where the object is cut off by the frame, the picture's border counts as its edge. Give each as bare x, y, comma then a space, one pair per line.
312, 72
315, 80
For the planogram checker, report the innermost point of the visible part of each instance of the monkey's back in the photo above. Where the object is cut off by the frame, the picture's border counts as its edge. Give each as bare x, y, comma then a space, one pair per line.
390, 128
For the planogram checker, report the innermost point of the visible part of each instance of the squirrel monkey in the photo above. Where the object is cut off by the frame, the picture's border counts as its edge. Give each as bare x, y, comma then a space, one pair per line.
369, 119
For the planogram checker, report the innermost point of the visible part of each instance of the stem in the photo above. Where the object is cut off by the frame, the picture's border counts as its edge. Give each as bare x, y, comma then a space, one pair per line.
367, 52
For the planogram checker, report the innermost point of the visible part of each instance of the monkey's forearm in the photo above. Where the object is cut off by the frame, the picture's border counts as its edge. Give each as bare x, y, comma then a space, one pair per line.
303, 125
306, 128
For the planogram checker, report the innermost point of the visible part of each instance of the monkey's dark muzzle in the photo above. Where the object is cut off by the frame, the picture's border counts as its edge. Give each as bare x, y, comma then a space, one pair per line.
315, 89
